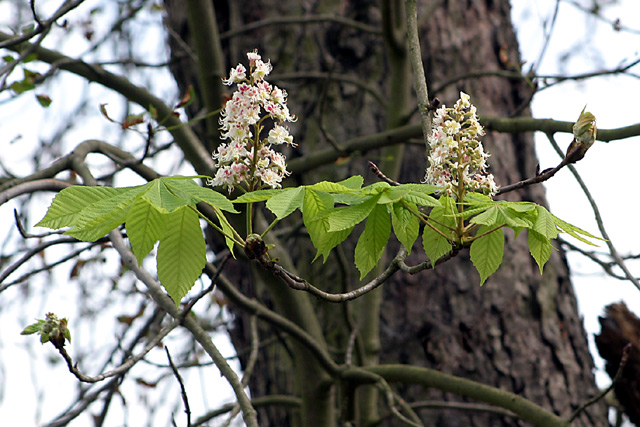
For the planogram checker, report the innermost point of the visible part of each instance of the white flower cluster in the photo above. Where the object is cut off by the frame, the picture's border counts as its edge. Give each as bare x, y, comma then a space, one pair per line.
456, 152
245, 158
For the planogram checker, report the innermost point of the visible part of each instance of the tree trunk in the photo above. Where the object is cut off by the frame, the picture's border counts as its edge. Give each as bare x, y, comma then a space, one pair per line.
520, 331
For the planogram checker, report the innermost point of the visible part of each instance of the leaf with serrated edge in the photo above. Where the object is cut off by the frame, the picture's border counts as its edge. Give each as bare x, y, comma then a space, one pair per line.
406, 225
573, 231
487, 252
349, 216
198, 193
517, 219
489, 217
326, 241
521, 206
69, 203
545, 224
331, 187
314, 204
423, 188
421, 199
393, 194
145, 225
181, 253
99, 218
228, 229
373, 239
434, 244
285, 203
258, 196
354, 182
540, 248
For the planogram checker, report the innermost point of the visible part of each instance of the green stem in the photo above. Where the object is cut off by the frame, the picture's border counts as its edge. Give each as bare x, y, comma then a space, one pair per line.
236, 237
471, 239
273, 224
249, 218
426, 220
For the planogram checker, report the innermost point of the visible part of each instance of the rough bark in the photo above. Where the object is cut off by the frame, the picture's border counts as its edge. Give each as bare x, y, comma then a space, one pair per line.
521, 331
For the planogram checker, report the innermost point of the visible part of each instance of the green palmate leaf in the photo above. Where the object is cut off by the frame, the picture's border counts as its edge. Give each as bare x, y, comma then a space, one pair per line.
348, 216
284, 203
540, 248
68, 203
414, 193
486, 252
372, 241
375, 188
334, 187
354, 182
228, 231
181, 253
100, 218
164, 199
314, 204
478, 199
423, 188
469, 212
517, 219
186, 187
325, 242
163, 209
575, 232
434, 244
499, 213
406, 225
393, 194
420, 199
545, 224
489, 217
521, 206
145, 225
258, 196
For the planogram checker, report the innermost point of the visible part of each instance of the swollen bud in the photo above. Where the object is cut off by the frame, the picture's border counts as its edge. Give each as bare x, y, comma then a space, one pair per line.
584, 135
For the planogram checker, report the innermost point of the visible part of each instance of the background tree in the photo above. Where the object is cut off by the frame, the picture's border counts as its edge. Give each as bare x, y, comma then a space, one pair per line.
520, 332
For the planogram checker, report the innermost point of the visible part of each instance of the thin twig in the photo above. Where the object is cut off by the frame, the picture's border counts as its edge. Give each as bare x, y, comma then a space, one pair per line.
602, 394
376, 170
606, 266
297, 20
183, 390
124, 367
594, 207
301, 284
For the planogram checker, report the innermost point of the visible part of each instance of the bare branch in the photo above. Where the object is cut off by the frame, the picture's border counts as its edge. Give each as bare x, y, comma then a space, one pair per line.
596, 211
419, 79
297, 20
183, 390
254, 307
616, 379
122, 369
163, 300
301, 284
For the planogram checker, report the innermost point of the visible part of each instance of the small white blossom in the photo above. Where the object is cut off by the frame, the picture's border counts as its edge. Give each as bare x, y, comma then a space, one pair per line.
236, 75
